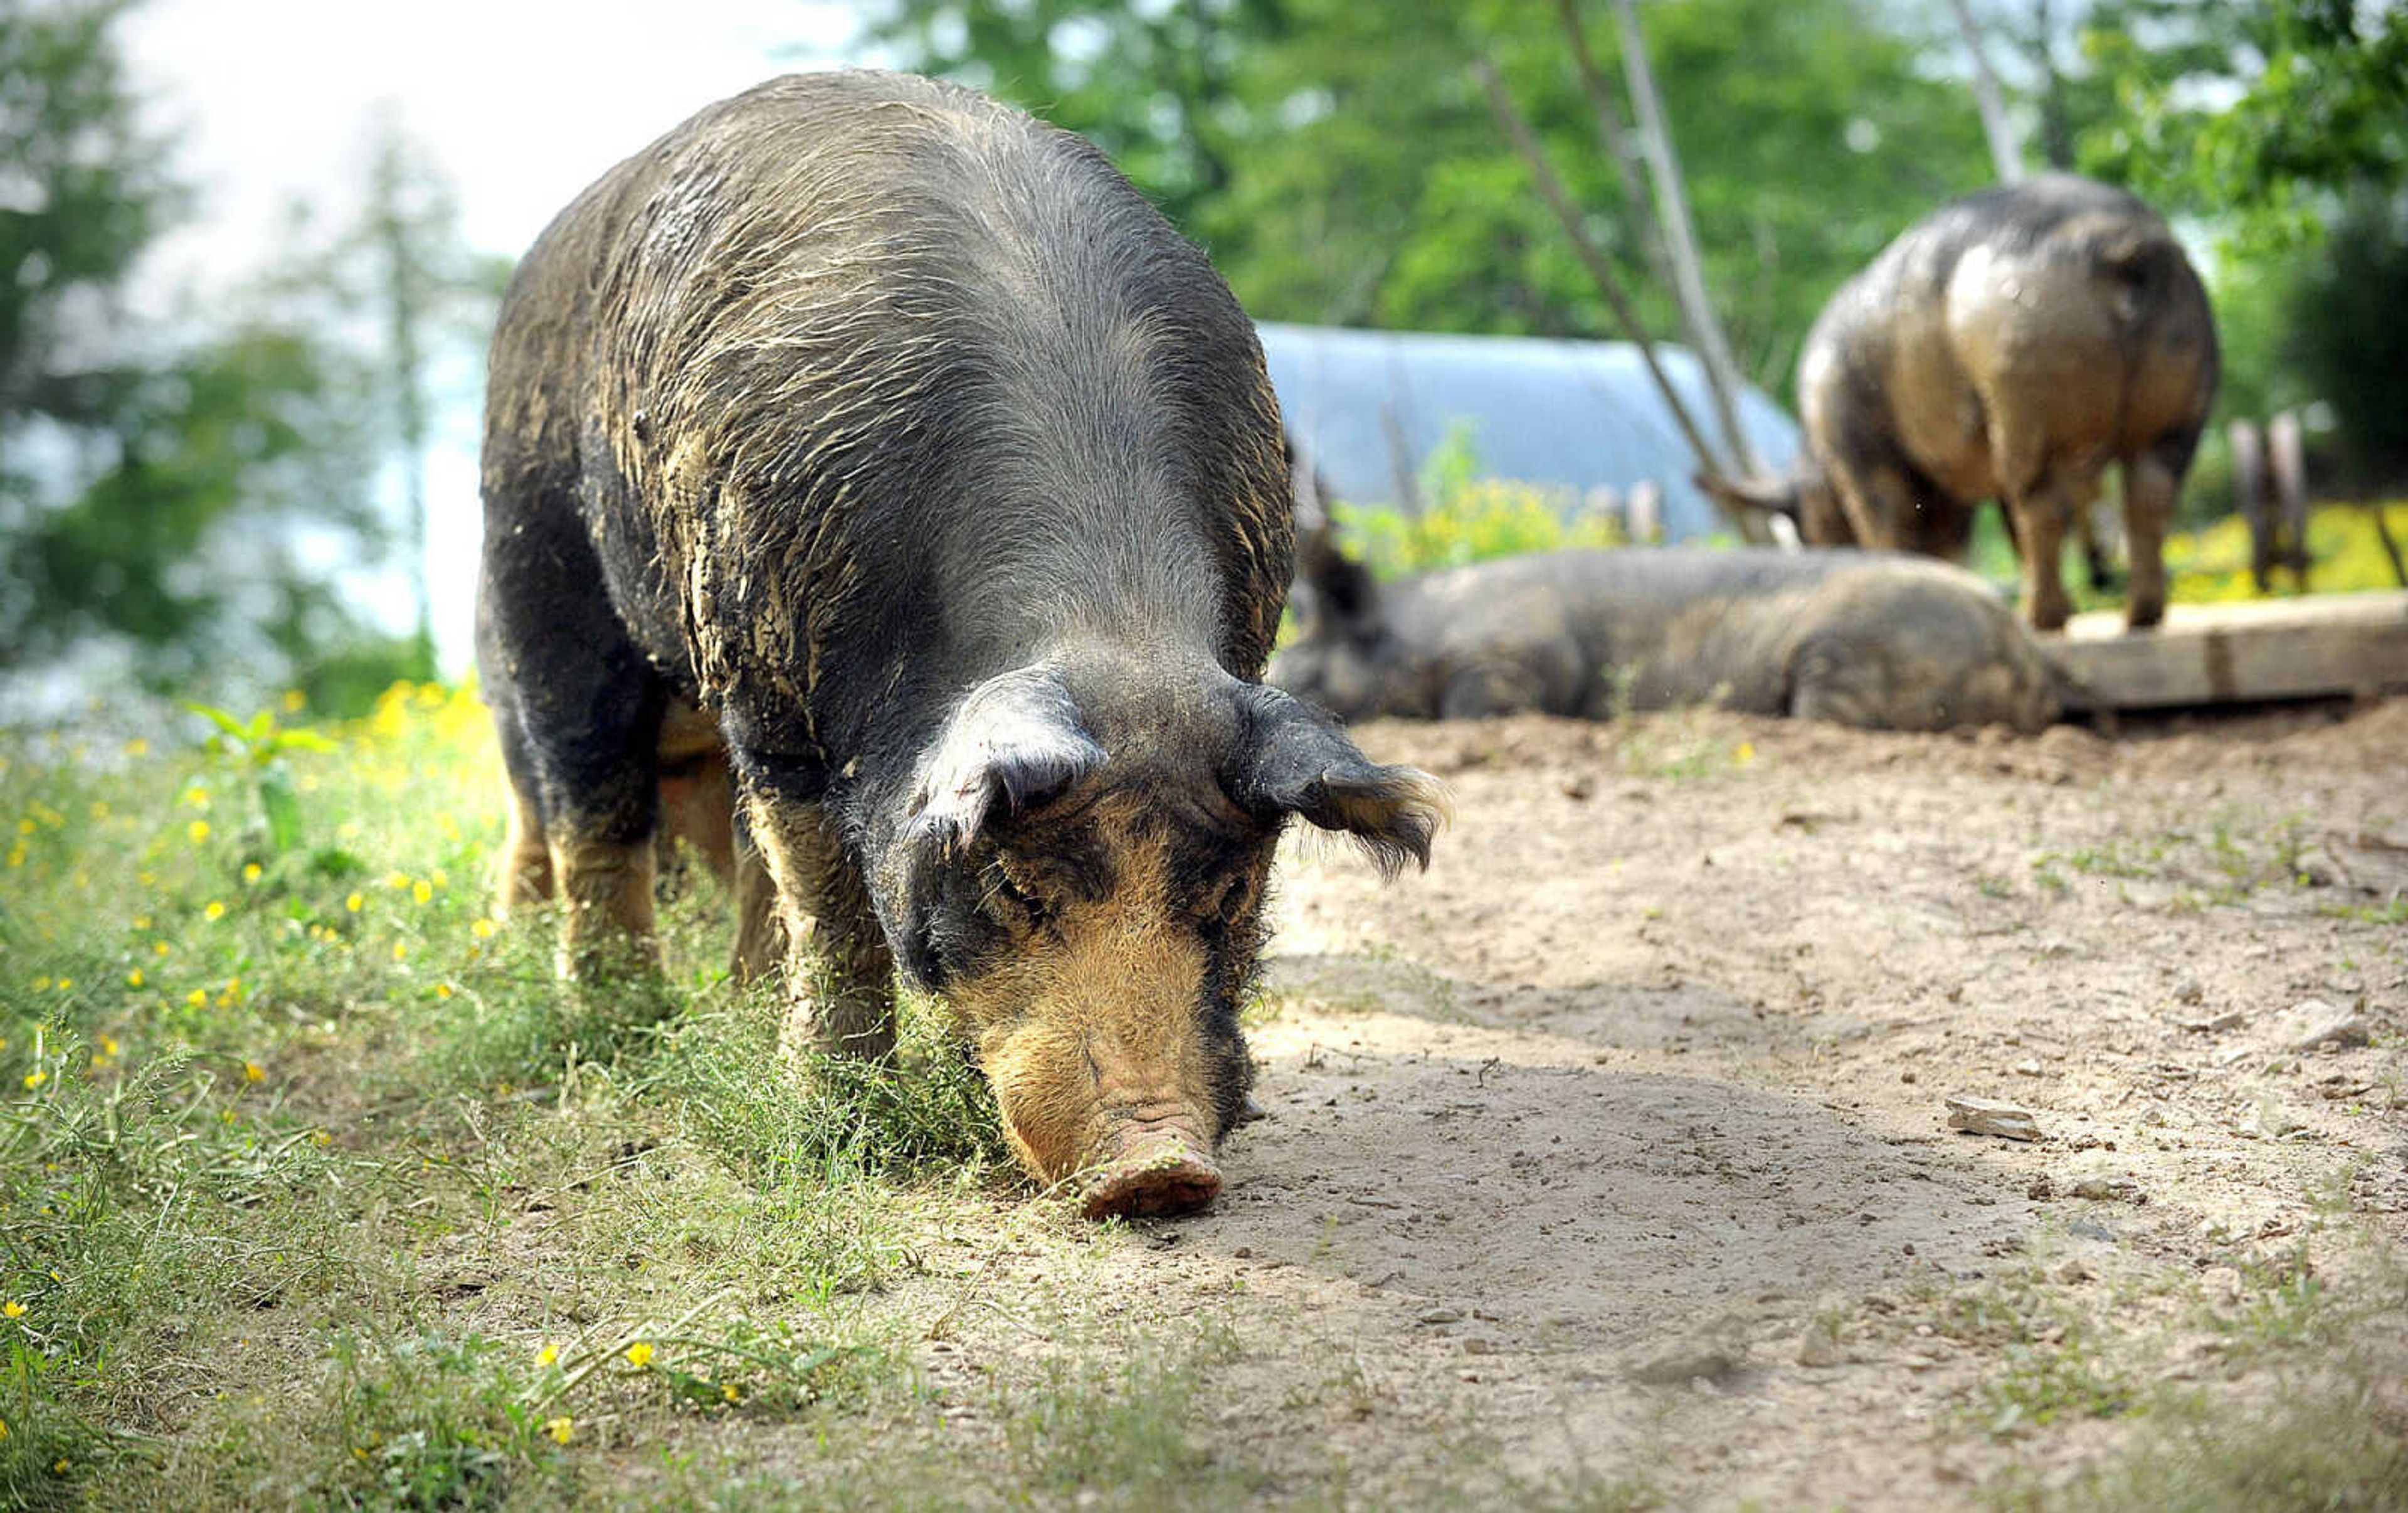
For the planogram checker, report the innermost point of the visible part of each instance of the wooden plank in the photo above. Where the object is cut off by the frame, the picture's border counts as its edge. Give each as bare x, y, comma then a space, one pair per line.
2237, 654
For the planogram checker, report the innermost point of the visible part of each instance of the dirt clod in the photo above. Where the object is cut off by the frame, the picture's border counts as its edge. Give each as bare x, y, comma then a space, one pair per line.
1991, 1116
2315, 1022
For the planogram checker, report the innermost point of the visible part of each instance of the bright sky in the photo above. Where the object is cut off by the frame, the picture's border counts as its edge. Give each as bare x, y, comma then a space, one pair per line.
519, 103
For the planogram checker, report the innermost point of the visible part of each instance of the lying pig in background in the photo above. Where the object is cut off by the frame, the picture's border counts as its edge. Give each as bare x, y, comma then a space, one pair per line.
881, 445
1859, 638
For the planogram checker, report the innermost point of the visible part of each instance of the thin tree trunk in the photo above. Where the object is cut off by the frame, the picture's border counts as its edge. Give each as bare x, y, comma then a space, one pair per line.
405, 312
2005, 153
1629, 170
1681, 243
1590, 256
1600, 271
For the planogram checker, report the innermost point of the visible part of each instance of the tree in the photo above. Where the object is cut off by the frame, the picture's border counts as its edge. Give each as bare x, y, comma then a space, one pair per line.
414, 304
2267, 116
2284, 125
176, 495
1343, 167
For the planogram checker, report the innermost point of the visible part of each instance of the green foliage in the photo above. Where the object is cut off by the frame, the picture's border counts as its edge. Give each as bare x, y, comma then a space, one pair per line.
2256, 112
1466, 519
131, 460
255, 748
2211, 565
1341, 166
2347, 333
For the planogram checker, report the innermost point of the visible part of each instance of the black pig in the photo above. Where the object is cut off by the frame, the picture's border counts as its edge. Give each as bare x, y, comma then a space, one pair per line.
1859, 638
883, 442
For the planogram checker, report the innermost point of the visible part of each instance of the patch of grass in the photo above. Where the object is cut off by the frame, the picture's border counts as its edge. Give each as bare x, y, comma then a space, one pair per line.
2393, 911
2048, 1379
1681, 746
2329, 1445
2114, 858
2211, 565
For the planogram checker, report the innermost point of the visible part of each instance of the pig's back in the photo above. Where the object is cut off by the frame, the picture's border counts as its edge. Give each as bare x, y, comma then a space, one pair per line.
870, 378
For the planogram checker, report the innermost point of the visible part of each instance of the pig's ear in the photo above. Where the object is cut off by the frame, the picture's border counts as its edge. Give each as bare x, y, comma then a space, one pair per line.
1774, 496
1344, 585
1015, 743
1294, 759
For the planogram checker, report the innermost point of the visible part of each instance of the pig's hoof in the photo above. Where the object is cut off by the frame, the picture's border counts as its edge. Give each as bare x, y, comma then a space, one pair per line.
1167, 1179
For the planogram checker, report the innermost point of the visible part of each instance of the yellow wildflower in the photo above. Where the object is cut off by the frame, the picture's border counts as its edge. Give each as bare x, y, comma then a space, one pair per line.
354, 902
440, 878
214, 912
729, 1392
546, 1356
26, 827
250, 871
133, 978
639, 1354
142, 921
12, 1309
396, 880
137, 747
35, 1079
559, 1428
17, 855
483, 929
422, 891
198, 829
253, 1072
400, 950
159, 947
109, 1044
65, 982
1745, 754
42, 984
443, 990
198, 998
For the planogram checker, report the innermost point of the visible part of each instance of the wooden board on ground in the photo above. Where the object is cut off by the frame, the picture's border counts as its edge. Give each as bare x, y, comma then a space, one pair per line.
2237, 654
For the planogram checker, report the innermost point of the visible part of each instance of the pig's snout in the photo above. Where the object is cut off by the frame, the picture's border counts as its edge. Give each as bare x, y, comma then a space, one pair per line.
1147, 1166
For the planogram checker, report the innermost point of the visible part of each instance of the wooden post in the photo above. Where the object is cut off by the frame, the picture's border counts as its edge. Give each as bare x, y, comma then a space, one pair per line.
2249, 491
2287, 458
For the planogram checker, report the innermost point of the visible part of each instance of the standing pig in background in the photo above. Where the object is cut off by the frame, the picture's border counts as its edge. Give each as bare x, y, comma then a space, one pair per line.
893, 432
2009, 347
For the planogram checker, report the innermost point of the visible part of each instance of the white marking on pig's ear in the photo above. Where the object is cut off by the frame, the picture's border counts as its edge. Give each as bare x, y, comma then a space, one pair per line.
1294, 759
1015, 741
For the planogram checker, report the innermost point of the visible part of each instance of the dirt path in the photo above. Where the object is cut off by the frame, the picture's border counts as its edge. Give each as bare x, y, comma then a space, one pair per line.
1617, 1140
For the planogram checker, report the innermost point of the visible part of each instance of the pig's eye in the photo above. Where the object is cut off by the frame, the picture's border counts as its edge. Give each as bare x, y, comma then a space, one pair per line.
1009, 902
1225, 901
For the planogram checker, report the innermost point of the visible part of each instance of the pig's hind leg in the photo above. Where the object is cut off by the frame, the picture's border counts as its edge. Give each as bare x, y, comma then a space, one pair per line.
581, 727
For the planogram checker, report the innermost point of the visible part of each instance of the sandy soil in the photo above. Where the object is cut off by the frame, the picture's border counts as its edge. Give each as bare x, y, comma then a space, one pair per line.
1618, 1139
